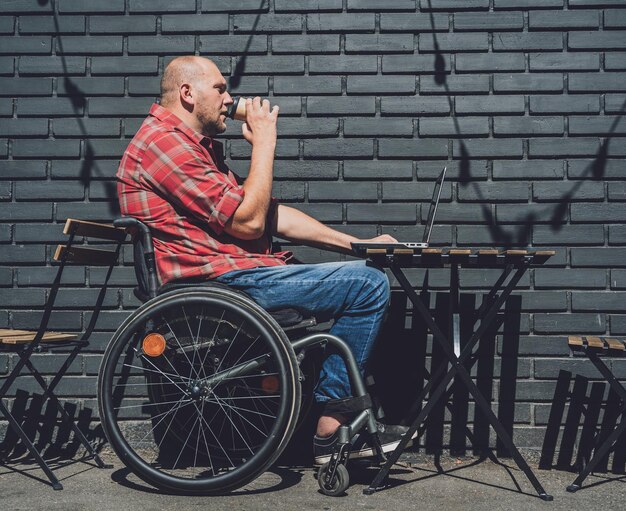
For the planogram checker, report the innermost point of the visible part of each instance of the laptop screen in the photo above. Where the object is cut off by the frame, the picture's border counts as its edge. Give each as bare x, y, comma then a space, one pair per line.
434, 202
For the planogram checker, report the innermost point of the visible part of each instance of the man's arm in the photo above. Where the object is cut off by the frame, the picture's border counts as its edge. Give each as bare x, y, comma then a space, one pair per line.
294, 225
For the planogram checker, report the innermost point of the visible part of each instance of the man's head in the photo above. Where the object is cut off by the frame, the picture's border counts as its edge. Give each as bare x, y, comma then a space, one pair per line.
194, 89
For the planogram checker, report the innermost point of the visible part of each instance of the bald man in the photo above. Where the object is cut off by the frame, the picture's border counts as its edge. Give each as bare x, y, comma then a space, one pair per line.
208, 223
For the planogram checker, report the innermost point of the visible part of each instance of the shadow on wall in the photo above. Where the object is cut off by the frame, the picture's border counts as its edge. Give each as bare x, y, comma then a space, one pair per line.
240, 67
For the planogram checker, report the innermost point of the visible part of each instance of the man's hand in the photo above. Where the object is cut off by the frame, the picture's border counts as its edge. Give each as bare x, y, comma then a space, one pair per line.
383, 238
260, 125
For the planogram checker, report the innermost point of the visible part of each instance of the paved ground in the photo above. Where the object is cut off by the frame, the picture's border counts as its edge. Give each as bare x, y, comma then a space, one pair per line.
463, 484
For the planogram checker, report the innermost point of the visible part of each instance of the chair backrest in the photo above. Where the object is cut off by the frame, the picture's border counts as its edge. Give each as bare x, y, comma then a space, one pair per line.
143, 255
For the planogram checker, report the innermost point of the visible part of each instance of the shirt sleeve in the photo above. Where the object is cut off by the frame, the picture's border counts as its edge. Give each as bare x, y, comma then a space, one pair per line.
187, 178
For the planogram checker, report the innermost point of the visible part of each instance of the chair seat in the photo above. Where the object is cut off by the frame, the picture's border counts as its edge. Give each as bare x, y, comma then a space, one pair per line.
288, 318
10, 336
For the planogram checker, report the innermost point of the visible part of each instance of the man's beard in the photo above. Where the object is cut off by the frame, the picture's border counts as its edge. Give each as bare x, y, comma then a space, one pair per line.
211, 126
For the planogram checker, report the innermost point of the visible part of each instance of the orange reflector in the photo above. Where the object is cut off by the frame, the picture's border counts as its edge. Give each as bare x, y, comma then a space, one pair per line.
153, 345
270, 384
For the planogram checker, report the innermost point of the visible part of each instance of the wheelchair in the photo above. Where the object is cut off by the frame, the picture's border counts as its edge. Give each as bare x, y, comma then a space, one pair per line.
200, 389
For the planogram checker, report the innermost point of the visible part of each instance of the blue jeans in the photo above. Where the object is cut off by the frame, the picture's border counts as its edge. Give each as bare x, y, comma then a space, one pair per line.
355, 294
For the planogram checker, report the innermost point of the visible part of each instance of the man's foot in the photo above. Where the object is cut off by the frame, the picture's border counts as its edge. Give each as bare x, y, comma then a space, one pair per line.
389, 436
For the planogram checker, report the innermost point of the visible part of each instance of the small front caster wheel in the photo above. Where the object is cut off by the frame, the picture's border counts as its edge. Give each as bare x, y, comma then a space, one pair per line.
338, 485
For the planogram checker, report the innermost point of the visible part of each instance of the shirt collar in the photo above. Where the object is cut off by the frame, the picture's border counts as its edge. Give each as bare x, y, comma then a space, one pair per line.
166, 116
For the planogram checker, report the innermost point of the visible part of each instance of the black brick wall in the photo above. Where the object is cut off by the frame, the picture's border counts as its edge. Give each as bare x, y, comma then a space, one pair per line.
522, 99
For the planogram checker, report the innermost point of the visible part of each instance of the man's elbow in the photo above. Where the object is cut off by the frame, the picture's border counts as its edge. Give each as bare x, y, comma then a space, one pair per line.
247, 230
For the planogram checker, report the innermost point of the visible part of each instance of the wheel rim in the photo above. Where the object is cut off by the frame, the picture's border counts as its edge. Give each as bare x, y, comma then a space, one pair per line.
212, 410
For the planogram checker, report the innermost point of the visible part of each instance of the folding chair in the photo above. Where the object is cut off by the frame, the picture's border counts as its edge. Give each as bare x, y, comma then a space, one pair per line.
24, 343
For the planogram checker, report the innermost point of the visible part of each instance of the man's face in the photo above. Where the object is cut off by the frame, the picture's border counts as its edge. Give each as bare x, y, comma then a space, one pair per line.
212, 101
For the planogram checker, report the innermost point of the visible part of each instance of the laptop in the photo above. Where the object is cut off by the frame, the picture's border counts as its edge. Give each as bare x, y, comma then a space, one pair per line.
360, 247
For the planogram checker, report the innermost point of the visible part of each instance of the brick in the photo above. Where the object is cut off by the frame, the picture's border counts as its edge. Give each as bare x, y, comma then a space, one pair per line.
268, 65
565, 278
550, 369
382, 213
303, 44
107, 148
463, 214
618, 278
25, 7
122, 25
614, 103
531, 213
362, 191
568, 235
374, 5
6, 107
400, 127
28, 149
285, 148
307, 85
161, 6
490, 62
60, 320
240, 5
340, 106
413, 22
489, 105
400, 148
528, 83
453, 42
38, 233
590, 301
564, 104
412, 64
114, 107
598, 212
343, 64
166, 44
494, 192
414, 105
251, 85
563, 147
107, 86
540, 20
24, 128
527, 126
615, 61
147, 65
601, 82
103, 190
12, 45
382, 84
564, 61
75, 169
22, 169
525, 4
233, 44
322, 212
23, 298
342, 148
618, 324
307, 5
464, 84
45, 276
89, 45
617, 235
308, 128
584, 323
617, 191
414, 191
307, 170
86, 127
384, 169
614, 18
544, 41
47, 66
7, 66
52, 24
342, 23
5, 191
488, 148
23, 254
598, 125
7, 25
609, 40
85, 211
71, 6
267, 24
598, 257
48, 107
555, 191
488, 21
49, 190
454, 127
444, 5
379, 43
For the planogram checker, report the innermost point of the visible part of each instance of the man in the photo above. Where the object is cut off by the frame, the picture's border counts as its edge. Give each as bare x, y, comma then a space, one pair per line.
208, 223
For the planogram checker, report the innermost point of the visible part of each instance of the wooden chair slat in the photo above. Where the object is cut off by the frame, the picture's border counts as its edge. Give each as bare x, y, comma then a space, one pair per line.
86, 255
403, 251
615, 344
595, 342
515, 252
545, 252
575, 342
460, 251
25, 337
375, 251
94, 230
432, 251
488, 251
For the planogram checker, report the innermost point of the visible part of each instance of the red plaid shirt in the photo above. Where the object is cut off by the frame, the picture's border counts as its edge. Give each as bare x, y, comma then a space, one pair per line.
175, 180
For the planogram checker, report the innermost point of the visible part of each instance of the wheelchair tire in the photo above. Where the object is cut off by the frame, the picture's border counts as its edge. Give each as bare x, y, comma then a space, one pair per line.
213, 405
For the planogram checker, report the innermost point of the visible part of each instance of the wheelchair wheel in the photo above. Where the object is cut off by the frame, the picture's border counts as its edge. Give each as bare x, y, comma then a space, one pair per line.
198, 391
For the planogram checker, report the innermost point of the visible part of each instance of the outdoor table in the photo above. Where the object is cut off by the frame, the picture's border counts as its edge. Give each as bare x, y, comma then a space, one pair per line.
513, 264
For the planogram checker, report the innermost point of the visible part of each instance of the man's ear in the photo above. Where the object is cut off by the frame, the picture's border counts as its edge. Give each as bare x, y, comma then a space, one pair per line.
186, 94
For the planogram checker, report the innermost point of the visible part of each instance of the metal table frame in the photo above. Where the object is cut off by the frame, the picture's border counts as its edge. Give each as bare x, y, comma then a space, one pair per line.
514, 263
